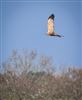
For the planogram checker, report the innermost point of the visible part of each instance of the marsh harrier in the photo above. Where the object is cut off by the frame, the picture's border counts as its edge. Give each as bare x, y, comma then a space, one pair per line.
51, 31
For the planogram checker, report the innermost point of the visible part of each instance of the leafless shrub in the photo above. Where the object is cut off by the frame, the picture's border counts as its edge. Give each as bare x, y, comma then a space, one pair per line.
21, 82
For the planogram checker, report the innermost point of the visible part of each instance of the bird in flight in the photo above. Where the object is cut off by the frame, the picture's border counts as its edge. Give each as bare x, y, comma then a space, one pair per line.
51, 31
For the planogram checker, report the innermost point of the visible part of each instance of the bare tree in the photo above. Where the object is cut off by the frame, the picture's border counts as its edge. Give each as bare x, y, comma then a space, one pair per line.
21, 81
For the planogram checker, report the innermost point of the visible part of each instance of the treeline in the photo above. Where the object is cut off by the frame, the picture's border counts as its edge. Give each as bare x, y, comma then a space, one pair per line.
25, 79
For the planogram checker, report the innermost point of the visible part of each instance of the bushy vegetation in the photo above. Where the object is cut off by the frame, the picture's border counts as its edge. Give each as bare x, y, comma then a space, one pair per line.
25, 79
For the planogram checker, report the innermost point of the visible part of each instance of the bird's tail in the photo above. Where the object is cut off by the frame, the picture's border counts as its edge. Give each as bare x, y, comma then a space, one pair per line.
58, 35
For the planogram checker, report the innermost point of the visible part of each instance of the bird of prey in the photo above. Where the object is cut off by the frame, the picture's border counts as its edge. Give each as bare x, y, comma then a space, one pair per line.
51, 31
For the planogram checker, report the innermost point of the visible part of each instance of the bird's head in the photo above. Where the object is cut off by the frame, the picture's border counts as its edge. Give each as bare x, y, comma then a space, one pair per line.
51, 16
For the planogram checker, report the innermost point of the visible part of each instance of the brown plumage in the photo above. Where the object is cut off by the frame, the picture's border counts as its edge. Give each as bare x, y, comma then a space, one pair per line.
51, 26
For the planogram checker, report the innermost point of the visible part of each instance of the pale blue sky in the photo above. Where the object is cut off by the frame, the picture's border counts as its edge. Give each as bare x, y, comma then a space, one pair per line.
24, 26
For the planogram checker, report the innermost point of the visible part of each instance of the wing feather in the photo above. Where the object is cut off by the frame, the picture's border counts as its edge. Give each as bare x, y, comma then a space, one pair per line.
51, 25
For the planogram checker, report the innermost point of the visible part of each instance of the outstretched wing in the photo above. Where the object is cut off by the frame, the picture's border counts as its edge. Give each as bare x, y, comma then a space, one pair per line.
51, 25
